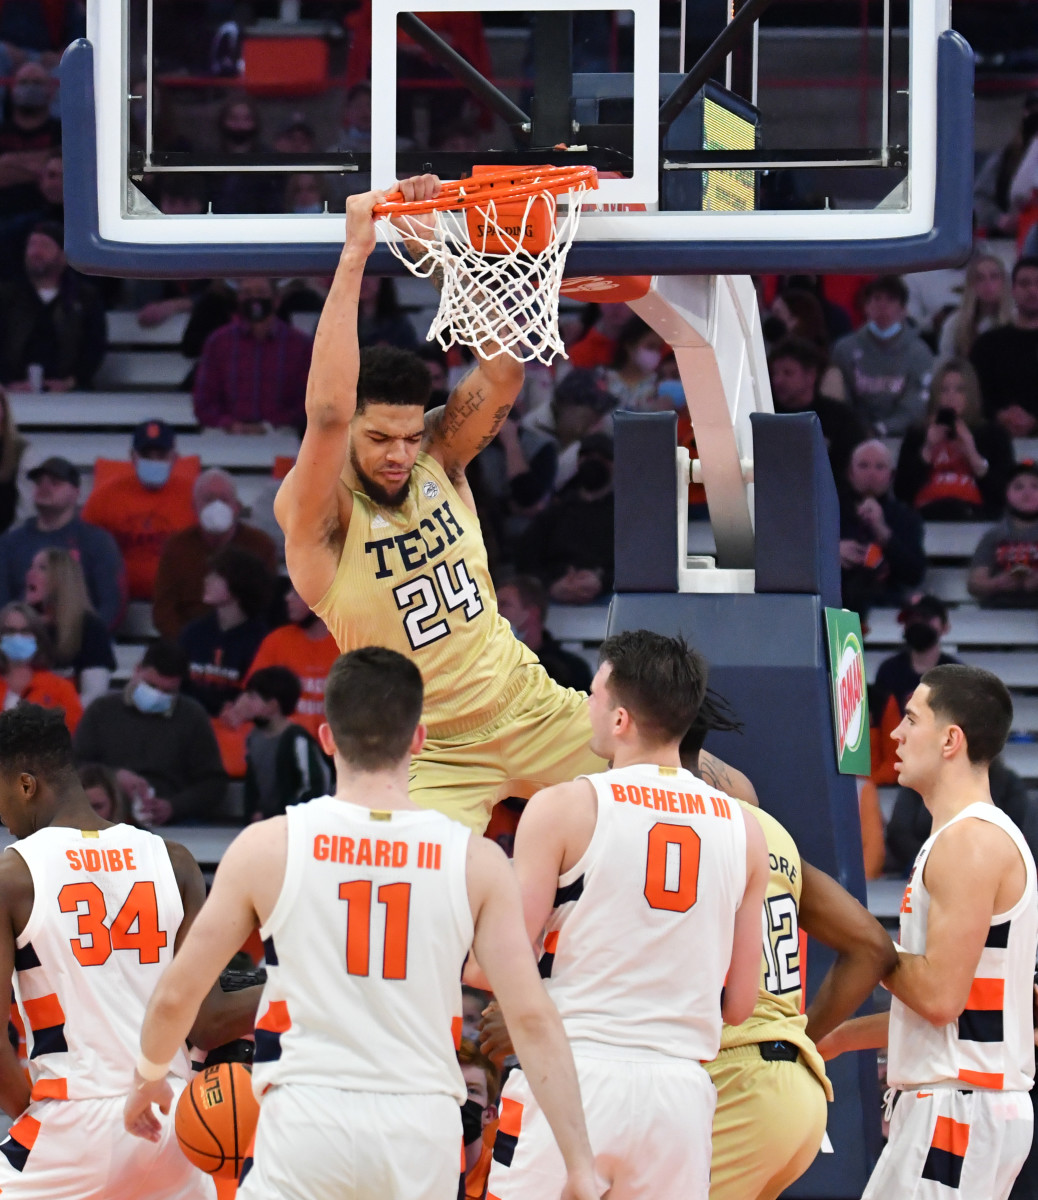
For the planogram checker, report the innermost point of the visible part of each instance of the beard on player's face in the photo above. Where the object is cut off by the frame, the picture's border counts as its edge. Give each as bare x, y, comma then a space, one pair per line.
374, 490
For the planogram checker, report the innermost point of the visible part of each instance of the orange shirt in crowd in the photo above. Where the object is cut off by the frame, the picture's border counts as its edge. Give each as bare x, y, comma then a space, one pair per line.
883, 746
49, 691
595, 349
476, 1179
141, 519
308, 658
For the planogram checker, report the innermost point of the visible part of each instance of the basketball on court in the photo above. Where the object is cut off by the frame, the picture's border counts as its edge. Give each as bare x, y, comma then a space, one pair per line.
215, 1119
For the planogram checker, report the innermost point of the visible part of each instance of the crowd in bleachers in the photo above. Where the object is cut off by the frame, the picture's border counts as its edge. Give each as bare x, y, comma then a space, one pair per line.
141, 577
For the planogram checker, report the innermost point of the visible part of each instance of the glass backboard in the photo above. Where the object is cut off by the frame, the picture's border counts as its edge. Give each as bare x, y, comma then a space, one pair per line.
728, 137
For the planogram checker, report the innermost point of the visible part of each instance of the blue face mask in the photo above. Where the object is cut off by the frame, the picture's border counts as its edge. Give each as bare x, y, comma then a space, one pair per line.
884, 335
18, 647
153, 472
671, 389
148, 699
304, 209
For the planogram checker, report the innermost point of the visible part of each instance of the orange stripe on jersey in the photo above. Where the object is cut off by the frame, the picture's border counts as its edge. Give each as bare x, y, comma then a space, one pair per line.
44, 1012
551, 940
50, 1089
276, 1018
511, 1117
982, 1079
456, 1032
25, 1131
950, 1135
986, 994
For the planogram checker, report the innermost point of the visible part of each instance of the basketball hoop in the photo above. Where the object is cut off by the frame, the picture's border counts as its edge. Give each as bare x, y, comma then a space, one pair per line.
500, 242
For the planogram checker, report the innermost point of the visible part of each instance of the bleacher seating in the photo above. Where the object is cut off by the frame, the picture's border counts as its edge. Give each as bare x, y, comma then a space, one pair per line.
141, 377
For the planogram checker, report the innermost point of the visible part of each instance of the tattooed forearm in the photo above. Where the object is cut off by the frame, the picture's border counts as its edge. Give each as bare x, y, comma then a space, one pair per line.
499, 419
457, 413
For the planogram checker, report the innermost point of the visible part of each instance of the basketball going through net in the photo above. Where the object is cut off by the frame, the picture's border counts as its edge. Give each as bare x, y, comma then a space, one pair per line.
499, 240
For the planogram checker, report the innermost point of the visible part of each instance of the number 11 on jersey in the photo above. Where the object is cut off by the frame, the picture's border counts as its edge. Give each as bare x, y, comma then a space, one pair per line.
396, 899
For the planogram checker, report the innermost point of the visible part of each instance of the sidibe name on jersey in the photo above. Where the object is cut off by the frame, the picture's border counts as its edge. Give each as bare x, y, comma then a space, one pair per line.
413, 548
373, 852
101, 860
675, 802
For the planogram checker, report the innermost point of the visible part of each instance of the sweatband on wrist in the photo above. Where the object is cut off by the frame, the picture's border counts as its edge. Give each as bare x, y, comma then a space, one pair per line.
150, 1071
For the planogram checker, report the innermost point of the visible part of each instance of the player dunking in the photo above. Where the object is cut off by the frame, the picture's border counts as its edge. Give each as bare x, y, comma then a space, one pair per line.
382, 541
90, 914
368, 907
959, 1030
644, 888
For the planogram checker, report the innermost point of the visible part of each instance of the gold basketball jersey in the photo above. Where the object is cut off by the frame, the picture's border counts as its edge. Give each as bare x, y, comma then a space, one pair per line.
777, 1016
415, 579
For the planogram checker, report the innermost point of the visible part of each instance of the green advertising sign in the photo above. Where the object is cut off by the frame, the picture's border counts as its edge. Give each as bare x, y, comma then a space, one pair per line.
849, 691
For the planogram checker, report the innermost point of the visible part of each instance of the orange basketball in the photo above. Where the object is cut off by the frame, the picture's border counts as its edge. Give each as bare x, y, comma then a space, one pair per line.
216, 1118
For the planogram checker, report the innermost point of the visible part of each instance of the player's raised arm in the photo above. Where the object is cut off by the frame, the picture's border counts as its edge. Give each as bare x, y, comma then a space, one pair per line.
740, 989
225, 921
865, 951
479, 405
505, 954
311, 506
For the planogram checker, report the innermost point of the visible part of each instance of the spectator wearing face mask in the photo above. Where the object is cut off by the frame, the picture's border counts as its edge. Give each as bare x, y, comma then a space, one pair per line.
886, 366
305, 194
238, 131
570, 545
159, 742
925, 623
632, 378
479, 1117
144, 501
25, 659
27, 138
180, 578
253, 371
284, 764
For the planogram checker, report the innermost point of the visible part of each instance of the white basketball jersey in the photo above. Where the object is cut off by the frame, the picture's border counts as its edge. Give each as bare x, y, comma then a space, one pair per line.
105, 915
636, 950
364, 950
991, 1044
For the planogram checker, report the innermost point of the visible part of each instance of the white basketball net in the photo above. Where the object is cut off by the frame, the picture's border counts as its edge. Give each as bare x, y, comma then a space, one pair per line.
511, 299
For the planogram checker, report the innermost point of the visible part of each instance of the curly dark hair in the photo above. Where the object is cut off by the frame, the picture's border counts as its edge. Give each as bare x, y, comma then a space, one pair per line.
389, 375
35, 740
